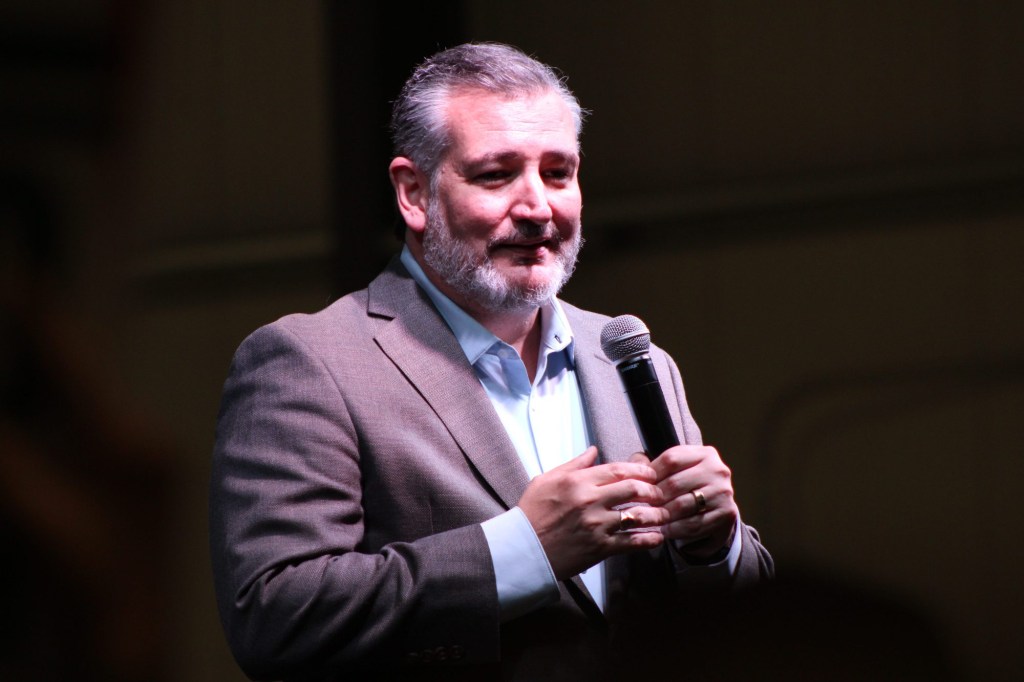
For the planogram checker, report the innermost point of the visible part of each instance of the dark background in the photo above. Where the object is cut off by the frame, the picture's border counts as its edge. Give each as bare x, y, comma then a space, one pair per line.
816, 206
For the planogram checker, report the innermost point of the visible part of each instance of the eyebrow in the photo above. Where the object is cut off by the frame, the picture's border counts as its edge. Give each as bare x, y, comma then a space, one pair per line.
505, 157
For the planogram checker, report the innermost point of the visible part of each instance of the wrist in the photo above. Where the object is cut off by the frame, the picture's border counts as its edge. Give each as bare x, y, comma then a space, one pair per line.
703, 552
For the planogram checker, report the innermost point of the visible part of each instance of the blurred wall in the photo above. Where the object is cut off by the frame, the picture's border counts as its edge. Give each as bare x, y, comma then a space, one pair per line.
816, 207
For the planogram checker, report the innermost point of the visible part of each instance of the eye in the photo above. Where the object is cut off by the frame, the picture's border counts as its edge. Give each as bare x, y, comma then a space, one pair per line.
559, 175
491, 177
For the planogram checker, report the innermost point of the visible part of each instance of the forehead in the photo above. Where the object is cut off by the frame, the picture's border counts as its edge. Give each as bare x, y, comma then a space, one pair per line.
484, 123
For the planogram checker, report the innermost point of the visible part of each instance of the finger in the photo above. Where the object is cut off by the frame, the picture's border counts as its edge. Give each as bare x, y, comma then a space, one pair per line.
711, 475
700, 500
681, 484
692, 503
680, 458
612, 472
717, 523
688, 529
637, 540
618, 493
631, 517
584, 460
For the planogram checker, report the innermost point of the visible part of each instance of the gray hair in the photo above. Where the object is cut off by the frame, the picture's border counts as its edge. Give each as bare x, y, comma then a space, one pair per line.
419, 129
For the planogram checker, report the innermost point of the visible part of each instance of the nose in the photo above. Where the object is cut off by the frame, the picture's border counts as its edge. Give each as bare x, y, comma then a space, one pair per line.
531, 200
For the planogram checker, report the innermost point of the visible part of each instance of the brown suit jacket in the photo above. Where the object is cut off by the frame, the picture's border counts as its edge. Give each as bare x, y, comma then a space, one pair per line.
356, 456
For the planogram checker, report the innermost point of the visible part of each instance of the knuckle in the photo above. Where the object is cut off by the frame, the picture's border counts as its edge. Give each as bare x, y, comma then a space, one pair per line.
674, 506
691, 525
580, 497
619, 470
638, 489
593, 524
675, 488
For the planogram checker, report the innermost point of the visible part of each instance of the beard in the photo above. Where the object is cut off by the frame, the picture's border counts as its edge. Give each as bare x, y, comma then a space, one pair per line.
474, 275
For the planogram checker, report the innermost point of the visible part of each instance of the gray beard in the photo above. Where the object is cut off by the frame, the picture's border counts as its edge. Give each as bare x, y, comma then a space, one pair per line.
474, 276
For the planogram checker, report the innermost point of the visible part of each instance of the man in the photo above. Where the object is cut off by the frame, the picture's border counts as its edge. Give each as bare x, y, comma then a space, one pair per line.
427, 477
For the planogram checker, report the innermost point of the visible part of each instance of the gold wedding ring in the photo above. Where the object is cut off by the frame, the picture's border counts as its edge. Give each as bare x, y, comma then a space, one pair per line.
627, 520
701, 501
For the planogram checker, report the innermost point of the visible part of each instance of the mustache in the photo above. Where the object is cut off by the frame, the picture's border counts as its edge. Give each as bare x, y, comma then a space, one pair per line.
526, 232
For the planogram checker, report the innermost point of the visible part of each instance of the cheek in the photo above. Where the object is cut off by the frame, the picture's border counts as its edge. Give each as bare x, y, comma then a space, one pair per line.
567, 209
478, 217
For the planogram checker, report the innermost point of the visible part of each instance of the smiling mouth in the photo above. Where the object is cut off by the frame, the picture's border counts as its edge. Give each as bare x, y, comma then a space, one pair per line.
528, 252
529, 244
542, 243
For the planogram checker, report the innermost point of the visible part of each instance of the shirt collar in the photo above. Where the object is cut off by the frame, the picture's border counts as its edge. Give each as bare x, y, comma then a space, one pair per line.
473, 337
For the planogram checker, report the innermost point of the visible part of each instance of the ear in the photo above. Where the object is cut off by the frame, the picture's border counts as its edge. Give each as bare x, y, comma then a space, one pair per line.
411, 189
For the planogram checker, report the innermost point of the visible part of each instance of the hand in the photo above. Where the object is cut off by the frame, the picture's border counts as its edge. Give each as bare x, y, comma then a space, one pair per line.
682, 470
571, 509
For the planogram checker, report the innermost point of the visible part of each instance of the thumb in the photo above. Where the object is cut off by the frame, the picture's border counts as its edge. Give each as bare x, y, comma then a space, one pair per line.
582, 461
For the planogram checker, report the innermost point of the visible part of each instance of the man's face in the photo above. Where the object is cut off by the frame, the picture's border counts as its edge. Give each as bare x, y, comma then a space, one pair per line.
503, 228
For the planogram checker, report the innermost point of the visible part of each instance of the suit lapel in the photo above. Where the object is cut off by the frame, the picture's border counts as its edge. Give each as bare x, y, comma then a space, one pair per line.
608, 417
423, 347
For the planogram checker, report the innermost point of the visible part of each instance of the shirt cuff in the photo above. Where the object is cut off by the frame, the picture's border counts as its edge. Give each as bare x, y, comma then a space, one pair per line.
523, 574
725, 567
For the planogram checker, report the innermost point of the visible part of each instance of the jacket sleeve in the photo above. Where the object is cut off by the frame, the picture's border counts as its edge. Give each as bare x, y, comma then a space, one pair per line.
299, 594
755, 563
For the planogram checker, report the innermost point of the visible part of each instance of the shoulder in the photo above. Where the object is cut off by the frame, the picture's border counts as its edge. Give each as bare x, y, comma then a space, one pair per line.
341, 321
349, 321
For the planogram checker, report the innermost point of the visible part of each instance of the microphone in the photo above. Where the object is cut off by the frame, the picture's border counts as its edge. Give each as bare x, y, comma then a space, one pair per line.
626, 341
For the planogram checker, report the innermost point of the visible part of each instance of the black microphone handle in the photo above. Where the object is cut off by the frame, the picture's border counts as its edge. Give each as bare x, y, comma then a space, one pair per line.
650, 413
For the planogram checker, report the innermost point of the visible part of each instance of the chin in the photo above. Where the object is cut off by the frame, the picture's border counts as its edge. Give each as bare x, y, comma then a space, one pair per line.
530, 282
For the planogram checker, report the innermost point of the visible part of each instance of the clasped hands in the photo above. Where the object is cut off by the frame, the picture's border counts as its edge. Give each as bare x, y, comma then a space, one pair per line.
686, 495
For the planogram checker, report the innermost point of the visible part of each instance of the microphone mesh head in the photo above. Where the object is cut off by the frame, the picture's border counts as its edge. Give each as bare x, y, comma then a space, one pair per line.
624, 336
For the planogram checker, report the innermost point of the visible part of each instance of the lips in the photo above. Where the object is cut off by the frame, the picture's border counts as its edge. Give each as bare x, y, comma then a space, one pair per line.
527, 245
551, 244
531, 251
